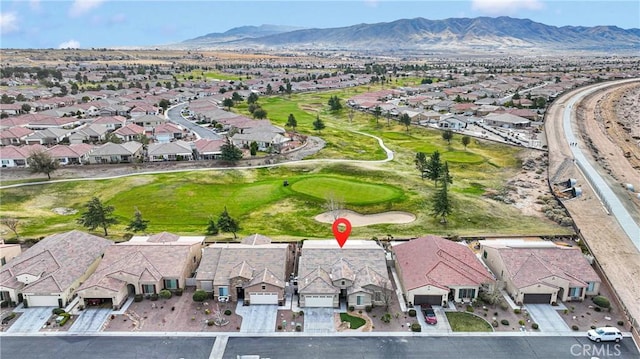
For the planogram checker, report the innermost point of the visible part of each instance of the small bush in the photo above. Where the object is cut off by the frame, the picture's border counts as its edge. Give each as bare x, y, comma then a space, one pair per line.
593, 327
351, 308
495, 314
279, 327
521, 321
469, 308
138, 298
504, 322
535, 326
504, 305
415, 327
4, 304
620, 323
154, 297
412, 312
165, 294
368, 308
298, 328
386, 317
57, 311
360, 311
207, 311
575, 327
210, 322
494, 323
601, 301
178, 292
597, 309
227, 312
301, 313
199, 295
517, 311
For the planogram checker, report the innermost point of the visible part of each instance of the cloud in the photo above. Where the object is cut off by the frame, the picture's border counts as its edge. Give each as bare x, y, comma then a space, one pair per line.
81, 7
8, 22
371, 3
34, 5
71, 44
505, 7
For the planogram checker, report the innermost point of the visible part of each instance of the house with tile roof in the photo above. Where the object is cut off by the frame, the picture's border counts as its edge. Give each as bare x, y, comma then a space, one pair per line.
14, 136
540, 271
14, 156
143, 265
75, 154
434, 270
254, 271
170, 151
48, 273
110, 152
130, 132
355, 274
208, 149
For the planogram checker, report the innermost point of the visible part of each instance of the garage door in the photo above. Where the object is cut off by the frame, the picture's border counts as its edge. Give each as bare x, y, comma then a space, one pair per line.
263, 298
207, 286
42, 301
325, 301
537, 298
427, 299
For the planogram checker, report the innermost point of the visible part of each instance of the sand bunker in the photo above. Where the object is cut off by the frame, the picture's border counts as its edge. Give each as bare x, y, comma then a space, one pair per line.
361, 220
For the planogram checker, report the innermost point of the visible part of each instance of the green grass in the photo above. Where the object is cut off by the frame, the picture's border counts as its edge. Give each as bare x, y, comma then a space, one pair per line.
354, 322
350, 191
466, 322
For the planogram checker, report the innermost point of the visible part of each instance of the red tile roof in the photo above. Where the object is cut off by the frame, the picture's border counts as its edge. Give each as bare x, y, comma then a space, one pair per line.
436, 261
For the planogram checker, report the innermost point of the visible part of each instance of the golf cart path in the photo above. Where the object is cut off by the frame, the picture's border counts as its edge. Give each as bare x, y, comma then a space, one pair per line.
389, 153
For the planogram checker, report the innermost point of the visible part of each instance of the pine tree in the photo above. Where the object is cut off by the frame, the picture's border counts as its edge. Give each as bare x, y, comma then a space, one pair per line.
441, 205
137, 224
434, 167
212, 229
97, 215
227, 224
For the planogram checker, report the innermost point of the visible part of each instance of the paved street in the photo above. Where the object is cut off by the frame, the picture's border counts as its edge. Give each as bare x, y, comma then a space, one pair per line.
547, 318
90, 320
31, 320
175, 117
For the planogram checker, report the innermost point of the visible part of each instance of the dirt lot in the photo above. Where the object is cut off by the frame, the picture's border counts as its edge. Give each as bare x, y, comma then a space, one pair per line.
619, 259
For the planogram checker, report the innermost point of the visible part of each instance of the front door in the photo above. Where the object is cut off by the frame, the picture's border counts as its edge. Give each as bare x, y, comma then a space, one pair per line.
240, 293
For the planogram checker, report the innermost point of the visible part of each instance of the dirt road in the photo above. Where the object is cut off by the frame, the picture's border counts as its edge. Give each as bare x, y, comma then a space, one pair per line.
618, 257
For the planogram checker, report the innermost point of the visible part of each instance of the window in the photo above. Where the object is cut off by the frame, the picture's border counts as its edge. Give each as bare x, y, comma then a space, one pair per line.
466, 293
3, 261
591, 286
171, 284
377, 296
223, 291
148, 288
484, 254
575, 292
343, 283
264, 287
359, 299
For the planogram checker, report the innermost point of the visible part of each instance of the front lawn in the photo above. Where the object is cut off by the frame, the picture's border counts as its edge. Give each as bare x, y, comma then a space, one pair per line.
465, 322
354, 322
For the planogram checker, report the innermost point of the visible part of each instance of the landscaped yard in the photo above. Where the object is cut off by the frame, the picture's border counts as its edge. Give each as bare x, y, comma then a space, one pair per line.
466, 322
354, 322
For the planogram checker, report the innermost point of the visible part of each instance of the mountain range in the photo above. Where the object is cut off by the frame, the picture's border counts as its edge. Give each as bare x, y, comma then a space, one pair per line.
486, 33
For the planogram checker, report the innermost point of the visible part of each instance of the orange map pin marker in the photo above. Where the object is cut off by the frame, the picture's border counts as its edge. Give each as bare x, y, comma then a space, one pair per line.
341, 230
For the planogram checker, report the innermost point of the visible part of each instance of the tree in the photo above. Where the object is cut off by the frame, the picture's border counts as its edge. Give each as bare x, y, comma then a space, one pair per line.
421, 163
111, 137
387, 294
405, 120
466, 140
253, 148
230, 153
11, 223
42, 162
164, 104
441, 205
25, 107
199, 295
434, 167
212, 229
445, 176
137, 224
334, 205
447, 135
291, 122
260, 113
236, 97
227, 224
97, 215
334, 104
351, 113
228, 103
269, 89
253, 98
318, 125
376, 113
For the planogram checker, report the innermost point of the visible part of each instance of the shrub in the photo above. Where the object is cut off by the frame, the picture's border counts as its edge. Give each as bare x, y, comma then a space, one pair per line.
494, 323
4, 304
207, 311
360, 311
279, 327
415, 327
412, 312
597, 309
199, 295
386, 317
521, 321
165, 294
368, 308
138, 298
210, 322
298, 328
301, 313
620, 323
154, 297
535, 326
575, 327
517, 311
57, 311
504, 305
227, 312
351, 308
178, 292
601, 301
593, 327
504, 322
469, 308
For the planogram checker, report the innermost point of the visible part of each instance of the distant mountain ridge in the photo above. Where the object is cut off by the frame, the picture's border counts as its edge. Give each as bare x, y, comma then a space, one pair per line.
422, 34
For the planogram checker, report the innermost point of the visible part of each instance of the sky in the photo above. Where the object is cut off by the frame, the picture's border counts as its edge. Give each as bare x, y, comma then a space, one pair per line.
127, 23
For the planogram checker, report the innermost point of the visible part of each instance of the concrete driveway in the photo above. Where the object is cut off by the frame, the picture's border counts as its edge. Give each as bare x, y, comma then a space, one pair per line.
31, 320
90, 320
441, 327
258, 318
319, 320
547, 318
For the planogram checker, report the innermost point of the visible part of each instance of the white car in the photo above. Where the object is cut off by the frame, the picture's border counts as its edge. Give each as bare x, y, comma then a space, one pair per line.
605, 334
